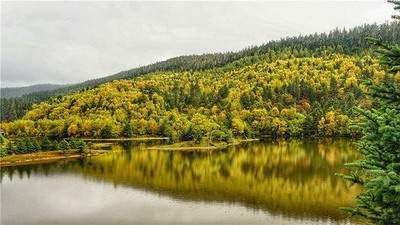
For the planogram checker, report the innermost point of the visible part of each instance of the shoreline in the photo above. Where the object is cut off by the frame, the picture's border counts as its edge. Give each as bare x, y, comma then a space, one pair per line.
191, 146
126, 139
48, 156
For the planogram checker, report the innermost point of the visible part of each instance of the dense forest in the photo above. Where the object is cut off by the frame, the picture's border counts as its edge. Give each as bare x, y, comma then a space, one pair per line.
286, 93
349, 42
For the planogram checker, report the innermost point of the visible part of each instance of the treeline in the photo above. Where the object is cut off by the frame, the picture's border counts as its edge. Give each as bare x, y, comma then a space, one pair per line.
341, 41
31, 145
285, 96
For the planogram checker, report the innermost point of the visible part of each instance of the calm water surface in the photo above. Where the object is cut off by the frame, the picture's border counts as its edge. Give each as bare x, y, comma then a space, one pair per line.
285, 182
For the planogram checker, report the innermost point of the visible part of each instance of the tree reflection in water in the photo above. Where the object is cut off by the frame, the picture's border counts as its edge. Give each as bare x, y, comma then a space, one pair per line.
292, 178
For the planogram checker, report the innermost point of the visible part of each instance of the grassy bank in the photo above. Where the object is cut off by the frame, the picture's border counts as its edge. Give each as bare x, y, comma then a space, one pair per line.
40, 157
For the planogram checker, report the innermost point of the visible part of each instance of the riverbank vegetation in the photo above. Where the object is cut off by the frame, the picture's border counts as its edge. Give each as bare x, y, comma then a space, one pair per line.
33, 145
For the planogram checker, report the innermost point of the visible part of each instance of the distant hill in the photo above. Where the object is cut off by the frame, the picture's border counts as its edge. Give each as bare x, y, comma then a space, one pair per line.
11, 92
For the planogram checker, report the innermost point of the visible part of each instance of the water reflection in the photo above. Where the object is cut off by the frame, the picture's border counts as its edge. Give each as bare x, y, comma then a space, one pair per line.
294, 179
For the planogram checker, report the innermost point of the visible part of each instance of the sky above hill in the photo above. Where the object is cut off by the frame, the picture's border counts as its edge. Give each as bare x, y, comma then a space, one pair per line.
68, 42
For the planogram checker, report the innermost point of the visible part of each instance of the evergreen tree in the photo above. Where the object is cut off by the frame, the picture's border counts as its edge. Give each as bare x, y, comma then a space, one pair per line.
46, 144
128, 130
64, 146
81, 146
379, 170
223, 92
106, 132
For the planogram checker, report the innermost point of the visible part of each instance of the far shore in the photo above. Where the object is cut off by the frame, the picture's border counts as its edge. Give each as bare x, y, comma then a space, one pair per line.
203, 146
126, 139
48, 156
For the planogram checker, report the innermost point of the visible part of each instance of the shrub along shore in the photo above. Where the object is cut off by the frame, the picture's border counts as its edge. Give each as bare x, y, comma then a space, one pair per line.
32, 145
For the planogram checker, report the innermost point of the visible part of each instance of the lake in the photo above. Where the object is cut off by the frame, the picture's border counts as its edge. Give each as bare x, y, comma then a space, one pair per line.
266, 182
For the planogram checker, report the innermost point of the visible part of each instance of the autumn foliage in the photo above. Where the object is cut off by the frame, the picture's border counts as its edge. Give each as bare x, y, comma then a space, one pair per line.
287, 96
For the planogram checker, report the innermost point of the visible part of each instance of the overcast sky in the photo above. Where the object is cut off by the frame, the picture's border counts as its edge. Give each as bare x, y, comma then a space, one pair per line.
68, 42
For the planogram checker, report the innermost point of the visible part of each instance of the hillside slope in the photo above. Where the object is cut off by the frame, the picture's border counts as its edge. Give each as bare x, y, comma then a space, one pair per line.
341, 41
285, 97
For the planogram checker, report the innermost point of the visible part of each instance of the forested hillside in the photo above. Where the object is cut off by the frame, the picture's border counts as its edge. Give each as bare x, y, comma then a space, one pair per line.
10, 92
290, 93
351, 42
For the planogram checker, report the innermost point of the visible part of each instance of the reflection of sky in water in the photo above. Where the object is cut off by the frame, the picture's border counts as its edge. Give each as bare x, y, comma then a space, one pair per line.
68, 199
285, 182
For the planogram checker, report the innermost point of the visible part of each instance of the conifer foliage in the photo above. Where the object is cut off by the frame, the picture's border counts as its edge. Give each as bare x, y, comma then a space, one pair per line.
379, 171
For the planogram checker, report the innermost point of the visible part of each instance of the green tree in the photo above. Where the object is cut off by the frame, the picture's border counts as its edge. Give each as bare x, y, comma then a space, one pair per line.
246, 100
81, 146
379, 170
64, 146
223, 92
3, 151
46, 144
106, 132
128, 130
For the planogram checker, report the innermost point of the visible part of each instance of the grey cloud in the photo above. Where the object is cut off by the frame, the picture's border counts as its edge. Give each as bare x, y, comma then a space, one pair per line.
66, 42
